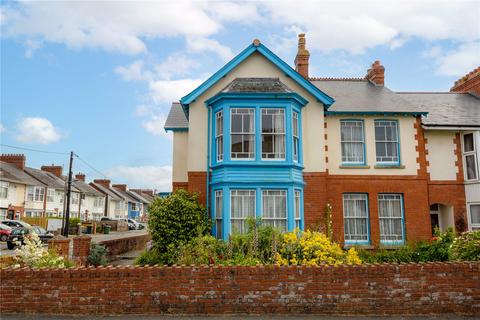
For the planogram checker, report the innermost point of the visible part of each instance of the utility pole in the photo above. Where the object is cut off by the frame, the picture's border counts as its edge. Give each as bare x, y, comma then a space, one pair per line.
69, 189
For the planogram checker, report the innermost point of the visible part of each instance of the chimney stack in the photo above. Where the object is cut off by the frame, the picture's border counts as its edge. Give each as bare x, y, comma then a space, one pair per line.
18, 160
301, 60
376, 74
80, 176
103, 182
469, 83
122, 187
56, 170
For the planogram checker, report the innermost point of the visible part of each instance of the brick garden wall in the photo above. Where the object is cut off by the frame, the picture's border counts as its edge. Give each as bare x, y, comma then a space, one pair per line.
385, 289
126, 244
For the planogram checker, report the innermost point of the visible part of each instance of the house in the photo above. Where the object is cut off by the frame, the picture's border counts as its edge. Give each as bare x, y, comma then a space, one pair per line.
115, 205
133, 206
92, 201
143, 201
261, 139
54, 204
14, 183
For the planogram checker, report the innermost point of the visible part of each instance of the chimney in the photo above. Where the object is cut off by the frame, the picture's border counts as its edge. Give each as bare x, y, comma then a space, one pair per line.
103, 182
122, 187
18, 160
148, 191
469, 83
56, 170
301, 60
80, 176
376, 74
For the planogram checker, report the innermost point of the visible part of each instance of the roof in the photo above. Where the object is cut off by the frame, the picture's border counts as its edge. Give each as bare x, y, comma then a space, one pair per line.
256, 46
264, 85
49, 179
176, 120
86, 188
124, 194
139, 197
446, 108
361, 96
148, 197
111, 194
10, 173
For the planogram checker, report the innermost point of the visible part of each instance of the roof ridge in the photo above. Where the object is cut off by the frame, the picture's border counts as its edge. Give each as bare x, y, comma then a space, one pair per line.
336, 79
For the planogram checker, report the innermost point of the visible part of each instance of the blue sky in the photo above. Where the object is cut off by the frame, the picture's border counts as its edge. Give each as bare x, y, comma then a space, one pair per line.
98, 77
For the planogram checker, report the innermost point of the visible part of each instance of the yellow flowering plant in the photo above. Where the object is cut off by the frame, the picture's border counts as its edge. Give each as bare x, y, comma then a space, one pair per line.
313, 248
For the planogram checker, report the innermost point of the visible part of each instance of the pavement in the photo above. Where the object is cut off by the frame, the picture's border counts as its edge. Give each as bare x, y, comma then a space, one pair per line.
228, 317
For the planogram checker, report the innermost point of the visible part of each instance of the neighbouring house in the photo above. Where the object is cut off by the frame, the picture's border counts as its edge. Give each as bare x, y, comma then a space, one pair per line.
261, 139
14, 183
115, 205
92, 201
54, 200
133, 204
144, 203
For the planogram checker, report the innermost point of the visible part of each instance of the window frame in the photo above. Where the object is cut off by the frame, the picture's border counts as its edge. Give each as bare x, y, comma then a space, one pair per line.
35, 196
284, 110
470, 153
297, 211
387, 163
4, 185
275, 218
471, 225
295, 137
50, 194
218, 213
219, 151
353, 163
243, 133
367, 218
402, 219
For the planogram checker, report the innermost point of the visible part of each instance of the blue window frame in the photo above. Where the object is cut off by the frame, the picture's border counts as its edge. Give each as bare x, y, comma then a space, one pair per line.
387, 142
298, 209
274, 208
273, 133
242, 133
352, 135
296, 135
219, 135
218, 214
356, 218
391, 218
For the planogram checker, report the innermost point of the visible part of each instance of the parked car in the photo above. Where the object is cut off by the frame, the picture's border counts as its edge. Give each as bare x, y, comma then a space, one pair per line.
4, 232
107, 219
19, 234
135, 224
16, 224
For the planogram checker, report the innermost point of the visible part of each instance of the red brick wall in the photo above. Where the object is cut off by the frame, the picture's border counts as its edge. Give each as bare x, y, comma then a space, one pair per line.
314, 198
381, 289
179, 185
197, 182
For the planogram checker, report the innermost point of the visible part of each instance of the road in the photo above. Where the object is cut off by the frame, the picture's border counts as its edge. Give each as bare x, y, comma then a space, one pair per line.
226, 317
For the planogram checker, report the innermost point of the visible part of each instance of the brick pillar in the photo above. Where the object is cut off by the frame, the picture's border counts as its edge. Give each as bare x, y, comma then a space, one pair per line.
61, 245
81, 249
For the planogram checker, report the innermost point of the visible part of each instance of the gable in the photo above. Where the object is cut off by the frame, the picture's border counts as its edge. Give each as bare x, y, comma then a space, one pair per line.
257, 47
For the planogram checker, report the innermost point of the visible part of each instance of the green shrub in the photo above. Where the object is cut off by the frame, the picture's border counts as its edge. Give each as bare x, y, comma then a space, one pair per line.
437, 249
173, 222
466, 247
73, 222
97, 256
402, 254
150, 257
202, 250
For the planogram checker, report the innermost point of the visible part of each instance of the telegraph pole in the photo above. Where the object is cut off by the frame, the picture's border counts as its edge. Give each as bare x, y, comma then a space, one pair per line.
69, 189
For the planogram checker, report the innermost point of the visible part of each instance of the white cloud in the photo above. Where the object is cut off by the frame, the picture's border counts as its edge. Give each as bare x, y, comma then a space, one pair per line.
134, 72
37, 130
167, 91
235, 12
2, 128
119, 26
158, 177
202, 44
460, 61
155, 124
175, 65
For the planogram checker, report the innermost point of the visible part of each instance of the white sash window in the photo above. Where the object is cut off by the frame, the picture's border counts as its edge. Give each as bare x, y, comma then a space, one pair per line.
242, 133
355, 216
275, 208
390, 215
273, 133
242, 203
353, 141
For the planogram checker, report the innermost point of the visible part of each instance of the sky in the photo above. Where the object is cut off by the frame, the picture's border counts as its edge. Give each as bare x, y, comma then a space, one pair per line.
98, 78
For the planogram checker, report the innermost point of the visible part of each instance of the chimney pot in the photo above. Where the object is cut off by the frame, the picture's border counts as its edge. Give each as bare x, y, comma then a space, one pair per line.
18, 160
303, 57
56, 170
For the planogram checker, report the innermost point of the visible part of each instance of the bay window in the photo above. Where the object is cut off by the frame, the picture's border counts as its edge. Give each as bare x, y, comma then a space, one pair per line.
355, 218
273, 133
387, 142
219, 213
275, 208
352, 141
219, 135
242, 133
390, 215
470, 157
242, 204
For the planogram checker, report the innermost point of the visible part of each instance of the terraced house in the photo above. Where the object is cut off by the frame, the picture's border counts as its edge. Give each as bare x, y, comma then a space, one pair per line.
261, 139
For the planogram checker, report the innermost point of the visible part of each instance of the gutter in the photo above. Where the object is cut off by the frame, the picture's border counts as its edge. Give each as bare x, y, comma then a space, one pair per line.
207, 201
451, 128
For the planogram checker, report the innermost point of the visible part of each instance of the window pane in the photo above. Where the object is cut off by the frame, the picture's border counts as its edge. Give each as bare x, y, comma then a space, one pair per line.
242, 204
236, 123
390, 215
475, 214
471, 167
243, 133
352, 141
468, 144
273, 133
355, 217
275, 208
